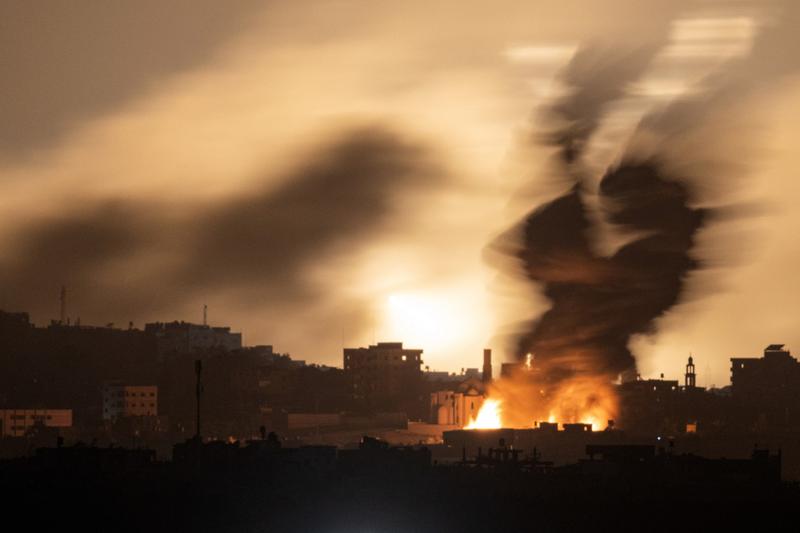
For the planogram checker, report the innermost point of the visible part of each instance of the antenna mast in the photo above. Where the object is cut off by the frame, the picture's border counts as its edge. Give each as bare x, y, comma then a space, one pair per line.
63, 299
198, 370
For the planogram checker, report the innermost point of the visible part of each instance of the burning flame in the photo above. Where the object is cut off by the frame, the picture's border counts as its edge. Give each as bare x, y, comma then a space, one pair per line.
488, 416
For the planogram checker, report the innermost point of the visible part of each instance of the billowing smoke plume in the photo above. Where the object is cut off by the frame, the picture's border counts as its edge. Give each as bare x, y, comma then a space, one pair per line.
580, 344
134, 260
598, 302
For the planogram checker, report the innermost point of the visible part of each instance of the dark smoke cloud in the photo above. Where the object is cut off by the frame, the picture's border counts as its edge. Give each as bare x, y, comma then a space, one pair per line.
257, 247
73, 249
596, 77
587, 327
598, 303
330, 203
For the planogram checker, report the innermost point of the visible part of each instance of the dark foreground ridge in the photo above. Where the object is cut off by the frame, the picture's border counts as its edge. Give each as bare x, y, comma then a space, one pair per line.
262, 486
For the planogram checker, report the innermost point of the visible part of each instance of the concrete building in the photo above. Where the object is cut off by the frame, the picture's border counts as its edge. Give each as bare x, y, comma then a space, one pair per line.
451, 377
384, 376
456, 408
184, 337
775, 373
129, 400
766, 390
16, 422
460, 406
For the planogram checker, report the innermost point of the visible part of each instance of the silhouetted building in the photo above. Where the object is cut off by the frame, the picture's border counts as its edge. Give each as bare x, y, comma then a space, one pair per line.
67, 364
441, 376
653, 405
766, 391
376, 457
184, 337
776, 374
385, 376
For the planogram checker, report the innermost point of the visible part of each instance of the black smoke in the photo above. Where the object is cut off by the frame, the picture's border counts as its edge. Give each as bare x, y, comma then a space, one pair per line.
329, 203
598, 302
138, 260
652, 198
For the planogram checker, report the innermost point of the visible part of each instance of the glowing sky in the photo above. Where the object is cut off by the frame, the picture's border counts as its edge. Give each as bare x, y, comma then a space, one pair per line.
157, 158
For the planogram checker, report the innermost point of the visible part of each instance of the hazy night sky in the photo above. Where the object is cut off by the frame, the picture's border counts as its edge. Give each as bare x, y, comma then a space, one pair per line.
329, 173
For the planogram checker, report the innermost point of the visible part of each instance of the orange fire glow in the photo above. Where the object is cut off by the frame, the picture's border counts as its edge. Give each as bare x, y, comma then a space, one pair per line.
488, 416
522, 401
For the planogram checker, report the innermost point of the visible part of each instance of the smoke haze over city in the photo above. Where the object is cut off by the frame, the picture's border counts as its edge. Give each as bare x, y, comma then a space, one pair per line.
329, 174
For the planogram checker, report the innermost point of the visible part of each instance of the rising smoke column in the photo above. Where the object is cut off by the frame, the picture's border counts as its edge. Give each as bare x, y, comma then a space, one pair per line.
598, 303
580, 345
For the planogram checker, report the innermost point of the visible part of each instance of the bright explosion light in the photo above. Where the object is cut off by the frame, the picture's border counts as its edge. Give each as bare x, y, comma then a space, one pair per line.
488, 416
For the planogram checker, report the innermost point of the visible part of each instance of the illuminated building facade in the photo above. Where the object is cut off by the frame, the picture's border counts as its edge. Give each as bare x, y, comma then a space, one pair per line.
16, 422
129, 400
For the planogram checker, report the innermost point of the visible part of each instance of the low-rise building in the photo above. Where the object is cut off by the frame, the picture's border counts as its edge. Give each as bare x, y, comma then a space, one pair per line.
456, 408
129, 400
185, 337
17, 422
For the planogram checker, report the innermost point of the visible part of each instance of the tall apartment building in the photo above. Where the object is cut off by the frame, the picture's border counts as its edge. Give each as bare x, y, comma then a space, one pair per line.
767, 389
775, 374
385, 377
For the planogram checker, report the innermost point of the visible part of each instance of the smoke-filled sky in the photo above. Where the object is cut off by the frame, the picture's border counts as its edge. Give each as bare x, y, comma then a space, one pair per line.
329, 173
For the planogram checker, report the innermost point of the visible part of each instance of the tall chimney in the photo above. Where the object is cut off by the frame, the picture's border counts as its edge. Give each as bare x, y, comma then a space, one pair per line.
487, 365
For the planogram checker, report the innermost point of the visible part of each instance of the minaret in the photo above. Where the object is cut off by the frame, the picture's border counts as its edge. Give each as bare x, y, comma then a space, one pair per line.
691, 377
487, 365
